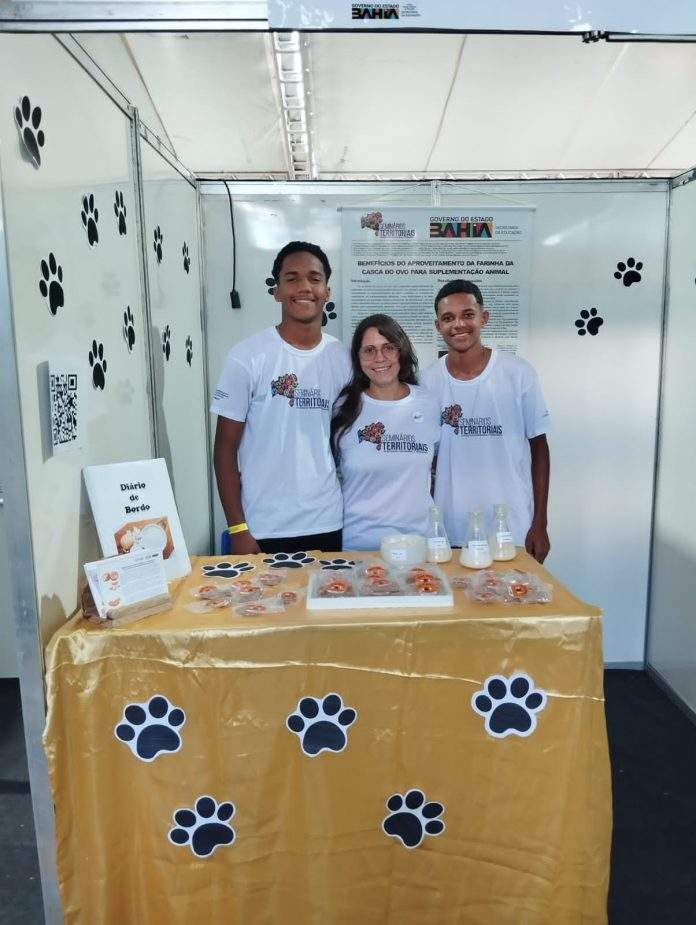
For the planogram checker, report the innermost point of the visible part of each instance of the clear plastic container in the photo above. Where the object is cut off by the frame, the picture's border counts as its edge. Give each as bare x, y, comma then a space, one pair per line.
476, 553
501, 542
439, 549
403, 549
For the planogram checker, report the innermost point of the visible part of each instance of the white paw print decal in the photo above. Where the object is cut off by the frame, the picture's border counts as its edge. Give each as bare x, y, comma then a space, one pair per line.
150, 728
226, 569
289, 560
410, 818
321, 725
336, 565
509, 705
203, 828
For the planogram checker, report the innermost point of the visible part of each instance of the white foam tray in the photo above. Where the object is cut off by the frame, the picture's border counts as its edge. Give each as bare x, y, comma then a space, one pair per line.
395, 601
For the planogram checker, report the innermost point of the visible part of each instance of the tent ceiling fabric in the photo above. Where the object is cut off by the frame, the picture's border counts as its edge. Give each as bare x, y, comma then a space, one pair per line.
415, 105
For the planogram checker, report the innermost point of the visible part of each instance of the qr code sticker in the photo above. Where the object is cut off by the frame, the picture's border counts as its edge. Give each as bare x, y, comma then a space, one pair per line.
63, 408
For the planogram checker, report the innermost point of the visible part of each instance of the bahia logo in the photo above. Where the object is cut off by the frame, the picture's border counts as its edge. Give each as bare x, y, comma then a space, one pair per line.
375, 11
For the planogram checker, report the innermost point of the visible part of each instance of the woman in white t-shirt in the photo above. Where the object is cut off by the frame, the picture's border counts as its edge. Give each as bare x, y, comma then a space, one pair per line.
384, 434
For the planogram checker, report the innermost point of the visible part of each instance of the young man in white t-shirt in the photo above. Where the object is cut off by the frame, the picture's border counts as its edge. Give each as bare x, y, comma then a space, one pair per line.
275, 471
493, 447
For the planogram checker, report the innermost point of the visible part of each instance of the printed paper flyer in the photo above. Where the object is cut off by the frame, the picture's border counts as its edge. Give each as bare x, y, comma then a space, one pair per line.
395, 261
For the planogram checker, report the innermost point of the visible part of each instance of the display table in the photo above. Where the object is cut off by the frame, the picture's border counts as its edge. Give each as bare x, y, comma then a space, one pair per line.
498, 788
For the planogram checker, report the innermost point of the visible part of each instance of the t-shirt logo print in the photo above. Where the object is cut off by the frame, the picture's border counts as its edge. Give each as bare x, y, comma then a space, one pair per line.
285, 385
372, 433
452, 415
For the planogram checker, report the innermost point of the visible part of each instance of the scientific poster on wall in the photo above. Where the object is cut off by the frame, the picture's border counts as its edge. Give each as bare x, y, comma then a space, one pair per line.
395, 260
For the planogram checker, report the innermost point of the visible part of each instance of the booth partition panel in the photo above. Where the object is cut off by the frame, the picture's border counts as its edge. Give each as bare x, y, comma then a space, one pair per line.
588, 240
672, 636
171, 240
75, 285
76, 315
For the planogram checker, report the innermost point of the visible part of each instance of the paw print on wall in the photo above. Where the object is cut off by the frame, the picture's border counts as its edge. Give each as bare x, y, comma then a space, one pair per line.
129, 328
628, 272
166, 343
50, 286
31, 136
98, 363
187, 259
157, 244
189, 350
271, 284
90, 217
120, 212
329, 313
589, 322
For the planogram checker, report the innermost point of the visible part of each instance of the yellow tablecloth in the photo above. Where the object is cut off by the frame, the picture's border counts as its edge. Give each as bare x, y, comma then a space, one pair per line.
510, 810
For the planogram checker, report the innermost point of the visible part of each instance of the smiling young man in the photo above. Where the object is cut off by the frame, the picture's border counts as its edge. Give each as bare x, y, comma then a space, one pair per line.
493, 447
275, 471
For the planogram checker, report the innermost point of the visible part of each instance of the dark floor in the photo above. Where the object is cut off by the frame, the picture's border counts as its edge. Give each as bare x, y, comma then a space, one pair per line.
653, 754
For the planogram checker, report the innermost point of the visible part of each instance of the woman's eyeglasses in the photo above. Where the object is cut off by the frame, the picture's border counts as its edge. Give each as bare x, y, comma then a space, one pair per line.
388, 351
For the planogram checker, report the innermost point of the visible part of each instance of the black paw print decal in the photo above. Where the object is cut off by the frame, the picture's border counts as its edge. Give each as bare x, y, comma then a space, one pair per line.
328, 314
226, 569
31, 136
321, 725
629, 272
120, 212
129, 328
410, 818
157, 244
98, 364
589, 322
509, 705
50, 286
336, 565
166, 343
189, 350
187, 259
203, 828
150, 729
271, 284
90, 217
289, 560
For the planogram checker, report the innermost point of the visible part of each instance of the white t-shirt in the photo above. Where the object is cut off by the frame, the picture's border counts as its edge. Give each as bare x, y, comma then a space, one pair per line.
285, 396
385, 461
484, 457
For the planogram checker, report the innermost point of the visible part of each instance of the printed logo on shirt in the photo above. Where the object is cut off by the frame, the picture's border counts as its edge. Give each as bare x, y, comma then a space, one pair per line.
391, 443
219, 394
287, 385
469, 427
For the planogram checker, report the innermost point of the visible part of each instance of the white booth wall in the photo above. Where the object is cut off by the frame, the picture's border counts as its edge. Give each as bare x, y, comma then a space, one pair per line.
88, 151
671, 648
602, 390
